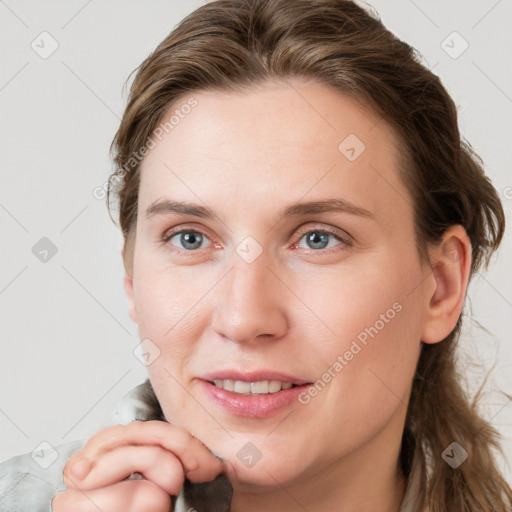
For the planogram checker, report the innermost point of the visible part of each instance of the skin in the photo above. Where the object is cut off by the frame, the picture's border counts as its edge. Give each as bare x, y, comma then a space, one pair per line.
247, 156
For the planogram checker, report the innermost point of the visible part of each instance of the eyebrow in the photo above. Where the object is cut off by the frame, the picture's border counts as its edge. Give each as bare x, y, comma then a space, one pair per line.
166, 207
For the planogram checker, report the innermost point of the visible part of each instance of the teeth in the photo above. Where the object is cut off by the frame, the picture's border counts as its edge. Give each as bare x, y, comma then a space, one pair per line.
274, 386
229, 385
262, 387
259, 387
241, 387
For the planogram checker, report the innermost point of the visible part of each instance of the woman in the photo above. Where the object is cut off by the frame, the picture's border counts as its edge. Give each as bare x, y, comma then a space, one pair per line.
301, 221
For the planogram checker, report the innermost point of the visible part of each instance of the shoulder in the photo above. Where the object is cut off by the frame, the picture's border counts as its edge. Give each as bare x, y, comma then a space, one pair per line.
29, 482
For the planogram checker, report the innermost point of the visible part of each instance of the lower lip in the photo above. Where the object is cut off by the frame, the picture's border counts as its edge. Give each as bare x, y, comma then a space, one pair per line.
252, 406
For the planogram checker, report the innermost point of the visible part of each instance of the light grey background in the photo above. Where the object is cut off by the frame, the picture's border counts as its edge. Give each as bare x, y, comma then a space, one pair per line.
66, 337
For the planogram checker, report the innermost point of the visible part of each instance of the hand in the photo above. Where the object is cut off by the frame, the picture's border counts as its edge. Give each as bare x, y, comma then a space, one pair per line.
163, 453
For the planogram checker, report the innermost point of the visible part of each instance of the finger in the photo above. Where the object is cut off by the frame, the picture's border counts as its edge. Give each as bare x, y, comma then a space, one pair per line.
126, 496
154, 462
194, 456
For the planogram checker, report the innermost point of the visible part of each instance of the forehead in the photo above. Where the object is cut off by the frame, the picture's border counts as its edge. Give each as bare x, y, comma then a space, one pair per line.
272, 144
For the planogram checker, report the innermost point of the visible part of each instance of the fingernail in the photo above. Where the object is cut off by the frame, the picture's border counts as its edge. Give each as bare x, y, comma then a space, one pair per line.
80, 469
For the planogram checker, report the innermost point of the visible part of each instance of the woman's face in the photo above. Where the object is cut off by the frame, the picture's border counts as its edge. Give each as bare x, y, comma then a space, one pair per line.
291, 259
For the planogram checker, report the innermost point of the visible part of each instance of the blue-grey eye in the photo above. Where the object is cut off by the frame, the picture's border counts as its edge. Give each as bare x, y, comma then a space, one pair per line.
319, 240
189, 240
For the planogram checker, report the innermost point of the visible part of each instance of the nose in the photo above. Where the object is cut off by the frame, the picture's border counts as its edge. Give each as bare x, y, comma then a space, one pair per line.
252, 303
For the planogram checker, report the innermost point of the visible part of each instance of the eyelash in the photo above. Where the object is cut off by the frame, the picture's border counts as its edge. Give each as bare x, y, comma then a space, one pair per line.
346, 240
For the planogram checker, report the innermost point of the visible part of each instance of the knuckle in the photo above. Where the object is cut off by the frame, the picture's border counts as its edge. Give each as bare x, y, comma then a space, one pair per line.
171, 468
99, 437
135, 427
150, 498
115, 430
113, 433
136, 424
183, 438
163, 429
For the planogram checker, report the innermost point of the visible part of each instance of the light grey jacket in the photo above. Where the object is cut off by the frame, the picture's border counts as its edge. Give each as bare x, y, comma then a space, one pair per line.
29, 482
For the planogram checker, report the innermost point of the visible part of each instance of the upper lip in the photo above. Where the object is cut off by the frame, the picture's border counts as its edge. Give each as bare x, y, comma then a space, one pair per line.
253, 376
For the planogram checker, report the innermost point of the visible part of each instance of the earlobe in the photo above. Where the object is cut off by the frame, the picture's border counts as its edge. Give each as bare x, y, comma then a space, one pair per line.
451, 266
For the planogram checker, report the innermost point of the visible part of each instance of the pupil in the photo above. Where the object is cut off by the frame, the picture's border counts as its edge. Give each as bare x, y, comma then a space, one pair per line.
193, 239
318, 238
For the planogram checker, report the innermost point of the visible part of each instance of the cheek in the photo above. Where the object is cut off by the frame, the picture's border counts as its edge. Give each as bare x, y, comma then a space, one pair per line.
170, 313
167, 299
367, 369
357, 299
373, 376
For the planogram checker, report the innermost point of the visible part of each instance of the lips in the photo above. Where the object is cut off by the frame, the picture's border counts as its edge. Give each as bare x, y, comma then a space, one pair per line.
256, 394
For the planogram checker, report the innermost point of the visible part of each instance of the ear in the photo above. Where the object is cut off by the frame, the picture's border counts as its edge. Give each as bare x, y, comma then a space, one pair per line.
128, 288
451, 266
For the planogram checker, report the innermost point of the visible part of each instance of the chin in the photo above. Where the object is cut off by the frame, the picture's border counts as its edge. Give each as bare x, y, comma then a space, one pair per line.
256, 460
260, 476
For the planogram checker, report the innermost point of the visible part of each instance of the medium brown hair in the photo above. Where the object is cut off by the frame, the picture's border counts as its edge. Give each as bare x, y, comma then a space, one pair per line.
233, 45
